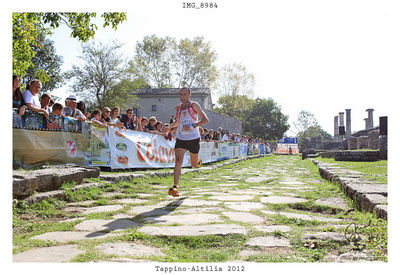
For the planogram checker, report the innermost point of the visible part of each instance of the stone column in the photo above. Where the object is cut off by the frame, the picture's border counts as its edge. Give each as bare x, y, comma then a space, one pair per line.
366, 123
348, 123
341, 119
336, 128
341, 123
370, 118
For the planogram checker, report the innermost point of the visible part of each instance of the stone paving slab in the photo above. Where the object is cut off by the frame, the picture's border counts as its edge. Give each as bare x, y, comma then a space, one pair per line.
243, 217
326, 236
150, 210
129, 249
189, 219
251, 192
66, 236
201, 210
130, 201
269, 241
232, 198
302, 216
281, 199
196, 230
112, 194
272, 228
101, 225
102, 208
292, 183
257, 179
193, 202
244, 206
54, 254
336, 202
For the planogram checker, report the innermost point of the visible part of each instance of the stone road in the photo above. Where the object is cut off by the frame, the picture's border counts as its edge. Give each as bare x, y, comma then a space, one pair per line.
275, 204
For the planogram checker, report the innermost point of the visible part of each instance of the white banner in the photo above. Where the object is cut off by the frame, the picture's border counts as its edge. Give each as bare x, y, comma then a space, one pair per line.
133, 149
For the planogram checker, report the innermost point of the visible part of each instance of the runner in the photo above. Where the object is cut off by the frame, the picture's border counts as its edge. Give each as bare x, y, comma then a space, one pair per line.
188, 135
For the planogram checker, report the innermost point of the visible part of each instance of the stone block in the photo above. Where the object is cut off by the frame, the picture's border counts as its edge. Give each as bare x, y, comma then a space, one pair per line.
362, 142
383, 143
373, 139
25, 183
352, 143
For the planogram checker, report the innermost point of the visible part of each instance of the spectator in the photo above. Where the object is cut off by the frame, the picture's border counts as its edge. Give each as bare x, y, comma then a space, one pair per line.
158, 126
225, 136
97, 118
216, 136
45, 102
81, 106
166, 130
57, 109
129, 120
105, 115
31, 98
172, 119
237, 138
70, 109
152, 124
114, 120
18, 99
210, 135
143, 124
201, 130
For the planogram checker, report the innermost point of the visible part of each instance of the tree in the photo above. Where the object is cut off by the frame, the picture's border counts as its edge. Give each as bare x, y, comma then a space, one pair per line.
193, 63
102, 79
28, 26
235, 88
234, 80
46, 60
152, 61
307, 126
264, 119
233, 106
163, 63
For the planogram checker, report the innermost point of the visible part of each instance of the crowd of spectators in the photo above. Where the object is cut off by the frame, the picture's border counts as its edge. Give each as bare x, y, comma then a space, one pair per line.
29, 100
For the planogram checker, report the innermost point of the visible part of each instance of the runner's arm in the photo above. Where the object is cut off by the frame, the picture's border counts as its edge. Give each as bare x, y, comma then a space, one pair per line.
199, 111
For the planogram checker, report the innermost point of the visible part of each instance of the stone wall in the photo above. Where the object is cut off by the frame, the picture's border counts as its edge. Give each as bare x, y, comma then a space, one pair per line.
357, 155
383, 142
373, 139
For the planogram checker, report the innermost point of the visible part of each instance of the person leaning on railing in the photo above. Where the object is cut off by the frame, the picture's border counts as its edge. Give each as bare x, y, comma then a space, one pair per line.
71, 110
31, 98
18, 99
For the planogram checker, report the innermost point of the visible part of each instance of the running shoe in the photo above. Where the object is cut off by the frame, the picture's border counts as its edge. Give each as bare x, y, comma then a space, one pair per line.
173, 191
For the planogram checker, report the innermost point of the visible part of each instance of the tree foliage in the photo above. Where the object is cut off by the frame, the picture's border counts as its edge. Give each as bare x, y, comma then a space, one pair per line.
264, 119
233, 106
235, 80
307, 127
28, 26
102, 78
164, 63
46, 60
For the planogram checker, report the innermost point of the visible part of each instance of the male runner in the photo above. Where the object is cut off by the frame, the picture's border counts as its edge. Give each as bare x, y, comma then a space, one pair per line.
188, 135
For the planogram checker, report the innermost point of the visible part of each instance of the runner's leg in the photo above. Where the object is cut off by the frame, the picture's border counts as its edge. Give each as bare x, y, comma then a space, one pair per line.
194, 159
179, 154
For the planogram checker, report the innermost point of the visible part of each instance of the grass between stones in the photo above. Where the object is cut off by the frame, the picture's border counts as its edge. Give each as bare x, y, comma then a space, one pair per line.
365, 231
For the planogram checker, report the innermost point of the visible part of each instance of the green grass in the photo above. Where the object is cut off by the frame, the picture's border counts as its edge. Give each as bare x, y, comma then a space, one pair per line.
375, 170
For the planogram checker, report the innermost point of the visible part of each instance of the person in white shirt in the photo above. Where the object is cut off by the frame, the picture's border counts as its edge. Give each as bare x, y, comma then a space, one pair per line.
188, 135
31, 98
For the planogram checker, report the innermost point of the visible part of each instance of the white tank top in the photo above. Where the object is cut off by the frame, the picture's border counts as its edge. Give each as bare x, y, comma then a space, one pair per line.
187, 116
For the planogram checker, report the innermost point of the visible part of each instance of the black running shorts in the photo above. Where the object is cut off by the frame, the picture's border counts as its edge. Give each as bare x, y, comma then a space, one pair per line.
192, 145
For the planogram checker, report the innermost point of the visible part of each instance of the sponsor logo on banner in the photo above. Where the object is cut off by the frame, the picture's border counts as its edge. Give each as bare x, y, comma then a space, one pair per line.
71, 148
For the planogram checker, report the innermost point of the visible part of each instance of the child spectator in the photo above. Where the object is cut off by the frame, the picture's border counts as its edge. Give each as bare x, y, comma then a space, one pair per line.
57, 109
82, 107
96, 118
